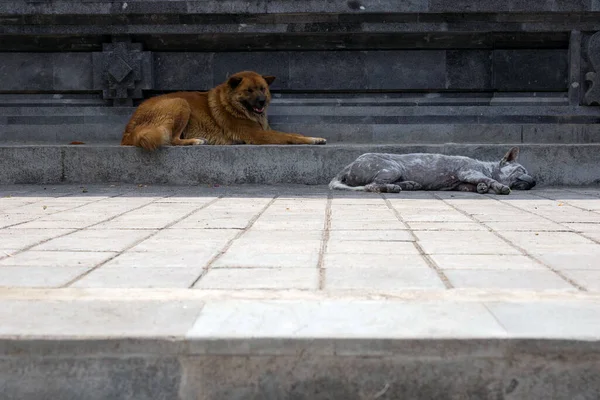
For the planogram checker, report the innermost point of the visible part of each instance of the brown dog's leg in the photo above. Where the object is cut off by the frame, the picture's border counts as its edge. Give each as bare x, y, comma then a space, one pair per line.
180, 117
256, 136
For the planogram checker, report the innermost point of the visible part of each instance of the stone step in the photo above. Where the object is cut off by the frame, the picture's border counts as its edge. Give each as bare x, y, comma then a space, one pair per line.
202, 345
366, 118
550, 164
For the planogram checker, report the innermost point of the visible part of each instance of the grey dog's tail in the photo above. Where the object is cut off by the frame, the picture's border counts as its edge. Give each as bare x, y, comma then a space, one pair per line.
336, 183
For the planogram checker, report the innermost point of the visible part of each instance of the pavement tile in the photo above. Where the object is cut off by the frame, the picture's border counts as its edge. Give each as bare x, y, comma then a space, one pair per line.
485, 261
268, 260
371, 235
269, 235
542, 242
260, 278
350, 260
177, 259
465, 242
113, 318
167, 241
213, 223
31, 258
20, 239
370, 247
139, 222
198, 234
527, 226
245, 246
382, 278
525, 279
12, 219
96, 240
344, 319
38, 276
387, 224
298, 224
583, 227
445, 226
569, 261
588, 278
449, 217
549, 319
139, 277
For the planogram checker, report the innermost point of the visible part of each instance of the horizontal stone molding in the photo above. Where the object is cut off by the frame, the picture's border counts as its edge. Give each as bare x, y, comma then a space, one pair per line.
387, 70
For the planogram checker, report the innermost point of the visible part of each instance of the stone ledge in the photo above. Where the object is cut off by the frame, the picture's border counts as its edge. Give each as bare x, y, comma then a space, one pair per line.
551, 164
287, 356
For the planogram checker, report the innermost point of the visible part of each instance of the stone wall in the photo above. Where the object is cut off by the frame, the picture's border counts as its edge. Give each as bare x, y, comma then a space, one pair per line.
96, 54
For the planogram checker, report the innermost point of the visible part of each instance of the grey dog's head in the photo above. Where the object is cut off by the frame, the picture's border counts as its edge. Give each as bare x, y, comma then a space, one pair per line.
513, 174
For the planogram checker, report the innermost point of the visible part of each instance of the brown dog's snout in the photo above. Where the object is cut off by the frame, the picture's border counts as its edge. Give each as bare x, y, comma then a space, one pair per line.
261, 100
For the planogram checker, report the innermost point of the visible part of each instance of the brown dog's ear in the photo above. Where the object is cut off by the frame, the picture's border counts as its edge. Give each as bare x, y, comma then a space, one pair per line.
511, 156
269, 79
234, 81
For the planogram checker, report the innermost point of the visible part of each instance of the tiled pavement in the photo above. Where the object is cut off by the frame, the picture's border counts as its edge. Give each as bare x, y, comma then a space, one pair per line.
297, 237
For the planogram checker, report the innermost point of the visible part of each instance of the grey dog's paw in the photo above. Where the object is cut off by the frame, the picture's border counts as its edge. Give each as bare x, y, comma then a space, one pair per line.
410, 185
383, 188
502, 189
482, 188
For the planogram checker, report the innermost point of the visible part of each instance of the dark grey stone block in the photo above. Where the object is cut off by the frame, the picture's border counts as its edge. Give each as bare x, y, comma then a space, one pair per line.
468, 69
337, 70
90, 378
183, 71
26, 71
334, 133
72, 71
345, 6
446, 133
561, 133
227, 6
265, 63
439, 6
414, 69
530, 70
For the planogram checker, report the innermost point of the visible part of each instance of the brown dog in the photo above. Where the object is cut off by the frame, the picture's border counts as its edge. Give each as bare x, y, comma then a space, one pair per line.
232, 113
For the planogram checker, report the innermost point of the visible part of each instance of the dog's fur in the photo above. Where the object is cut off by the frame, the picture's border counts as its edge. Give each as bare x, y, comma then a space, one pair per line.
378, 172
231, 113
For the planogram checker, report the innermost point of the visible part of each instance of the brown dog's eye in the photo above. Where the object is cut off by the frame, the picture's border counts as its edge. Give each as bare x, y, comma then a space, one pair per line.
250, 90
262, 89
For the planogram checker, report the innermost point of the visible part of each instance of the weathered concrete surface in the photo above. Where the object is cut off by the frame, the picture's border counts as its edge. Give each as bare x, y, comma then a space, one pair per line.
295, 292
549, 164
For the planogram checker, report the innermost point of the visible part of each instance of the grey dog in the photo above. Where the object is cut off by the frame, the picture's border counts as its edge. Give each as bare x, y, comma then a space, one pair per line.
392, 173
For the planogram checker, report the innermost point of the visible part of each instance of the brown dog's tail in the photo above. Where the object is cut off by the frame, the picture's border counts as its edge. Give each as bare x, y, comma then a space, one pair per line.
149, 137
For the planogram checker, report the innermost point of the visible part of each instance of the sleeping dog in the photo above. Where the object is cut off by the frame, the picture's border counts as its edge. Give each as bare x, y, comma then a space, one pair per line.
392, 173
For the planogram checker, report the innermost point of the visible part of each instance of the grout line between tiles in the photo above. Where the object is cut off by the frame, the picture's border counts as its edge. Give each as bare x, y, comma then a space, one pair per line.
430, 262
220, 254
72, 281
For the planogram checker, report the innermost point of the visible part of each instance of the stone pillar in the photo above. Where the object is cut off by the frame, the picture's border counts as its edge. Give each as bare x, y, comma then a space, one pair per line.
122, 71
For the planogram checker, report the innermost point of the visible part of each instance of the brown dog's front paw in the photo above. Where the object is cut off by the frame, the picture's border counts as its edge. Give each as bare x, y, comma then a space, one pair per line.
197, 142
317, 140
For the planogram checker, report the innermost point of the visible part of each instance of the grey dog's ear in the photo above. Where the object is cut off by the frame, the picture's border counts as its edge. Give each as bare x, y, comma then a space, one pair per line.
234, 81
511, 156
